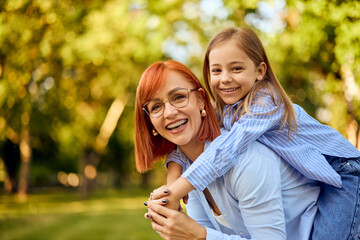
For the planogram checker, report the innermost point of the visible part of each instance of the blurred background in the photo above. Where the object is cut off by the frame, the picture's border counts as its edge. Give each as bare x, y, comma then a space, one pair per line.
68, 76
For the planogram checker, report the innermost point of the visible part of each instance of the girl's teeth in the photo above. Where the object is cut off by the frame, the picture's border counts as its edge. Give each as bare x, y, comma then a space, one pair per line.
229, 90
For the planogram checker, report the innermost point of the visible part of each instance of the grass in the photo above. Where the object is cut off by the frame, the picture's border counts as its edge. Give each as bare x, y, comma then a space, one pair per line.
60, 214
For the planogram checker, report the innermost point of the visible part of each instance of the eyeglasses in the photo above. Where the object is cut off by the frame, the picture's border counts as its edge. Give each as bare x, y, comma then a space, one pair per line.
178, 98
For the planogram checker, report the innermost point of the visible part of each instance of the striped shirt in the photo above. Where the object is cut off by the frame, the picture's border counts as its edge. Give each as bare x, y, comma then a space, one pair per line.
304, 151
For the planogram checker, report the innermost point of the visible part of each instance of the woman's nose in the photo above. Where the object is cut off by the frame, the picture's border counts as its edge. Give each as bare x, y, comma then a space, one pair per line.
169, 110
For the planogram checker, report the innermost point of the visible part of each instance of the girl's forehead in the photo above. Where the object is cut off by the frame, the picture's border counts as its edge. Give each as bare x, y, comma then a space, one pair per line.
227, 42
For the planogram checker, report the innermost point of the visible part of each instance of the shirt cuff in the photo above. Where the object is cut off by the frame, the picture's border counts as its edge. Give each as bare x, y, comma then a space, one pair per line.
200, 175
212, 234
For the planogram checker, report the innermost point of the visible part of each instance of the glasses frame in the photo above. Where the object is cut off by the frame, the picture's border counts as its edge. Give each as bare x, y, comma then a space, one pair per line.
144, 108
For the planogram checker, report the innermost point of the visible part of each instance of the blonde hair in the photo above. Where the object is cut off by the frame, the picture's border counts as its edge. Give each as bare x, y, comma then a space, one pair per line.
249, 42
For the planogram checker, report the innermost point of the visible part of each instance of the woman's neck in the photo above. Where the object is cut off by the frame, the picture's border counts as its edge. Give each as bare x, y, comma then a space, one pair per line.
193, 151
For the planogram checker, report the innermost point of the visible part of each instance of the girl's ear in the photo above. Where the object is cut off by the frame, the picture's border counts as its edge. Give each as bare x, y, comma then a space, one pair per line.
261, 71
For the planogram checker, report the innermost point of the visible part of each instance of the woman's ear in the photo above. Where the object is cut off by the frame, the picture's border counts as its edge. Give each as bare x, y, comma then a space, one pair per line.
201, 98
261, 71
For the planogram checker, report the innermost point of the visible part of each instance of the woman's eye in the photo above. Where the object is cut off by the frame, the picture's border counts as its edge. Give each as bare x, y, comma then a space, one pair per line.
156, 108
178, 98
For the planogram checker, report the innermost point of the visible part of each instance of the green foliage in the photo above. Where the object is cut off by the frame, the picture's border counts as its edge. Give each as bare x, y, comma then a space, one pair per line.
320, 47
62, 64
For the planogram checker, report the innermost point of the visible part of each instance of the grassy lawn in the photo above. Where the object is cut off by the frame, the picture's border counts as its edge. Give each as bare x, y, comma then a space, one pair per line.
61, 214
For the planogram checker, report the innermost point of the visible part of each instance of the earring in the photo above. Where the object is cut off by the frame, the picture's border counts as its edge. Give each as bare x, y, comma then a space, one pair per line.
154, 132
203, 113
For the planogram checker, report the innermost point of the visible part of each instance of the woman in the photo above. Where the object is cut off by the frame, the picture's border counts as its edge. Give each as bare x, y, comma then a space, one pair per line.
261, 197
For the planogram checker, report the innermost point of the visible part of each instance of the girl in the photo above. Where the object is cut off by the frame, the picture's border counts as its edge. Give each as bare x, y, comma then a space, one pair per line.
259, 198
254, 107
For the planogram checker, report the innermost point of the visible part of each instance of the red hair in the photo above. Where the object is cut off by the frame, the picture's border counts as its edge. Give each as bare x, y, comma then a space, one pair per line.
150, 148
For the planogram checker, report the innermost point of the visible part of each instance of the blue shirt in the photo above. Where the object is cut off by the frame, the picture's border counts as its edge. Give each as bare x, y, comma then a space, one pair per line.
304, 151
261, 197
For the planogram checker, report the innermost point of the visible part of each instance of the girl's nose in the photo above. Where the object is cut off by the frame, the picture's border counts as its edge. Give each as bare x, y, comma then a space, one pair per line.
226, 77
169, 110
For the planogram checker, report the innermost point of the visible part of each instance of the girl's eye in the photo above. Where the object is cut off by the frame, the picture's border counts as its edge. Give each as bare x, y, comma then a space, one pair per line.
215, 70
237, 69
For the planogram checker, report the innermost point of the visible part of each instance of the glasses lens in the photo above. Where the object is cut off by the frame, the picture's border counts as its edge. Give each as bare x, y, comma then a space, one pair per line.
180, 98
155, 108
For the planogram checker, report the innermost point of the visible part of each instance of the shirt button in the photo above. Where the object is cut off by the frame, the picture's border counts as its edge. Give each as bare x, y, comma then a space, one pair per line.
348, 164
213, 191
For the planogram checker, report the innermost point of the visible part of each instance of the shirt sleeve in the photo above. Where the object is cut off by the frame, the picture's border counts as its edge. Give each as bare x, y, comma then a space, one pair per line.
223, 152
174, 156
196, 211
212, 234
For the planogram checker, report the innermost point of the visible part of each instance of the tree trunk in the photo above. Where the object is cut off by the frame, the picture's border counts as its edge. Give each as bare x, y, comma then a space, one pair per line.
91, 156
25, 157
11, 154
90, 159
351, 93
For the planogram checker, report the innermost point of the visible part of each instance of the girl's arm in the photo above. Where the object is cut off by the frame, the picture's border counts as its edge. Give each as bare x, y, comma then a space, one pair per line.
174, 172
223, 152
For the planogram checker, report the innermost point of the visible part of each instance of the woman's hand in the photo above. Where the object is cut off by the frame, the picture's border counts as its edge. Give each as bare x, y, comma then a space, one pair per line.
171, 224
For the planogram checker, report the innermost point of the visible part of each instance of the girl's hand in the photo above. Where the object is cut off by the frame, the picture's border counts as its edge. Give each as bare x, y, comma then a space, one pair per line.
159, 193
171, 224
162, 192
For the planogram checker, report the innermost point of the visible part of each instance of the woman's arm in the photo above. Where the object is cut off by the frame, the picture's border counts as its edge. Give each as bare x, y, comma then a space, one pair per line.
171, 224
256, 186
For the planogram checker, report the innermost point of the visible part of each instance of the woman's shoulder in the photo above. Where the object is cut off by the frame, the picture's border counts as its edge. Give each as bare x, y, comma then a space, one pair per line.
254, 160
258, 172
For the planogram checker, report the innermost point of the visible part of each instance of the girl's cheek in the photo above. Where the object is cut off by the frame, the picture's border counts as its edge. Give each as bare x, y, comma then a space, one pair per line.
213, 81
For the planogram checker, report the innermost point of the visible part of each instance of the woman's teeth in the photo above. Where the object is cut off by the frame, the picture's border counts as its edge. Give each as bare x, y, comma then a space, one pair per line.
176, 125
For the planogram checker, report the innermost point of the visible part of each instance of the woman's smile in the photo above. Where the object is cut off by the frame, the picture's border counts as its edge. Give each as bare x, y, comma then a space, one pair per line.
177, 125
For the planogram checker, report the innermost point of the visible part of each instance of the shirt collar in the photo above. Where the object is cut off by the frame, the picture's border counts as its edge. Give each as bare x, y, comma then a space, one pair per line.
233, 106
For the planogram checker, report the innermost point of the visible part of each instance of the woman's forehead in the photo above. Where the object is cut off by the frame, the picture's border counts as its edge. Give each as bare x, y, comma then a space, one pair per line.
173, 80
